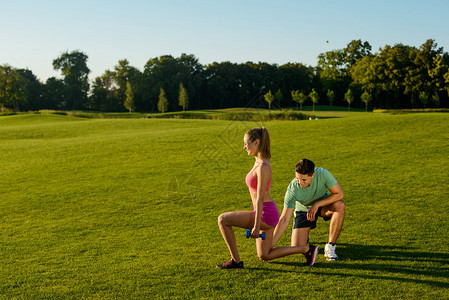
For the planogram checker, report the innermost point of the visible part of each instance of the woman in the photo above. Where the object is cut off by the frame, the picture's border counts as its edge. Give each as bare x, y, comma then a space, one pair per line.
265, 215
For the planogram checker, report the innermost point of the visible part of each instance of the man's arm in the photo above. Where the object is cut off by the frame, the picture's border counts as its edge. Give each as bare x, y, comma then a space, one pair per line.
284, 220
336, 195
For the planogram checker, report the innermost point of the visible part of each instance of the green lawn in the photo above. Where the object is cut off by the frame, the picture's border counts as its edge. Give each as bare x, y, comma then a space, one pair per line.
127, 208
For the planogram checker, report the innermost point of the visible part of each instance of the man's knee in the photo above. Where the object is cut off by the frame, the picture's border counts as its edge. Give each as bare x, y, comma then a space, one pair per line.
339, 206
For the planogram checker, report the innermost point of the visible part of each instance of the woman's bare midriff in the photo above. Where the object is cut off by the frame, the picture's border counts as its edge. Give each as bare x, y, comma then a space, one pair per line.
266, 197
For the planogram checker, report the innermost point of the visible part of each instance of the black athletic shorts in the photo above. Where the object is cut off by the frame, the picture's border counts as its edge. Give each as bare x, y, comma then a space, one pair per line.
302, 222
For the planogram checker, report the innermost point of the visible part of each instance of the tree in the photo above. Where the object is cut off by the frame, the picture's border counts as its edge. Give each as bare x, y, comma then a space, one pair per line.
332, 65
258, 76
355, 50
169, 72
335, 68
295, 97
12, 92
436, 99
104, 96
269, 98
279, 97
74, 68
366, 98
425, 71
162, 105
423, 98
302, 98
366, 74
349, 97
393, 77
295, 77
223, 85
32, 90
336, 64
314, 96
54, 94
394, 65
122, 74
415, 76
191, 76
183, 97
330, 96
439, 73
129, 102
446, 81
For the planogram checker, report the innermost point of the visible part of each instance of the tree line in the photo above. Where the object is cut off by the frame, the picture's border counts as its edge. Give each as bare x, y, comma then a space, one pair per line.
396, 76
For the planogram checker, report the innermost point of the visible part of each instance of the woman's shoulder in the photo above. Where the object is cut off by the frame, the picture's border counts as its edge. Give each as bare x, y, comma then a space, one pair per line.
265, 167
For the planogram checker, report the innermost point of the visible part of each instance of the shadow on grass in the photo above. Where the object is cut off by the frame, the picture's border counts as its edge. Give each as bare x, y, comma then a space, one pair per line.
395, 260
396, 253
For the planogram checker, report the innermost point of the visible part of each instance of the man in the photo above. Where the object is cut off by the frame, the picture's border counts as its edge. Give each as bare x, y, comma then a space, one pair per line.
309, 192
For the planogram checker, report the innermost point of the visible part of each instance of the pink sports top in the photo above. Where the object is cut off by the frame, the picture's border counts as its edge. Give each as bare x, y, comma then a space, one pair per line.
251, 181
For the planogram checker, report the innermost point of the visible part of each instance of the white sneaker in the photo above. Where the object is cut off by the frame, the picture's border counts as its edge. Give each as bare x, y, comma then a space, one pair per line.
329, 252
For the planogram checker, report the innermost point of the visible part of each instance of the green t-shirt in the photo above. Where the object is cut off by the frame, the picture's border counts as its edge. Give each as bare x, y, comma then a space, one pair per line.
305, 197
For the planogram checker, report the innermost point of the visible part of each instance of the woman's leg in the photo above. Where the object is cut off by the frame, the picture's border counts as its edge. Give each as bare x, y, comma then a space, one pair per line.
245, 219
299, 236
242, 219
265, 252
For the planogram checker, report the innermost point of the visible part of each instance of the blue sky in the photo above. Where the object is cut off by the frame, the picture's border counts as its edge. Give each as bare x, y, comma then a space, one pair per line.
277, 31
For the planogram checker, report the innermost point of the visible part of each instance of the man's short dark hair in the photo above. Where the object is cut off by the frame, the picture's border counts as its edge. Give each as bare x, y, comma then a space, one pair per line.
305, 166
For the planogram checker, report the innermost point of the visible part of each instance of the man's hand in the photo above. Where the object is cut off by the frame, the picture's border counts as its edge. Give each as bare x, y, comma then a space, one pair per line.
336, 195
312, 212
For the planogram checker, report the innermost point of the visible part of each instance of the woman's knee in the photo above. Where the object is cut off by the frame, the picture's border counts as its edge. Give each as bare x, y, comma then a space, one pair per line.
221, 219
264, 256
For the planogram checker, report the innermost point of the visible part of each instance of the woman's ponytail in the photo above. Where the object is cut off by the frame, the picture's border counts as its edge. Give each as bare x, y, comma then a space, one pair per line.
261, 133
265, 147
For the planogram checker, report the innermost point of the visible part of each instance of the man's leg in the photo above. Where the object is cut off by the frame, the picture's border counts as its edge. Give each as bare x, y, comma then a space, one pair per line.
337, 213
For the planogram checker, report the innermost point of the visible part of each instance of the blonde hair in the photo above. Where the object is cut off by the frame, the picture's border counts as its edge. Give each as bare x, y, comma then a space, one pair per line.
261, 134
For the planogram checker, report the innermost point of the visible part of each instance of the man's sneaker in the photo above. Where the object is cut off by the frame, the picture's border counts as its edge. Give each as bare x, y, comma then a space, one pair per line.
231, 265
329, 252
311, 255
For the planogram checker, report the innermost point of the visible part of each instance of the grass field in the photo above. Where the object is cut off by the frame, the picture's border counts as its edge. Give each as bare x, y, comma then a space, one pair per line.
127, 208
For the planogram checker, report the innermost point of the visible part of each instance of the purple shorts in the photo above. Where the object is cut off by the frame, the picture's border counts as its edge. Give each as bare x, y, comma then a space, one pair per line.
270, 213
